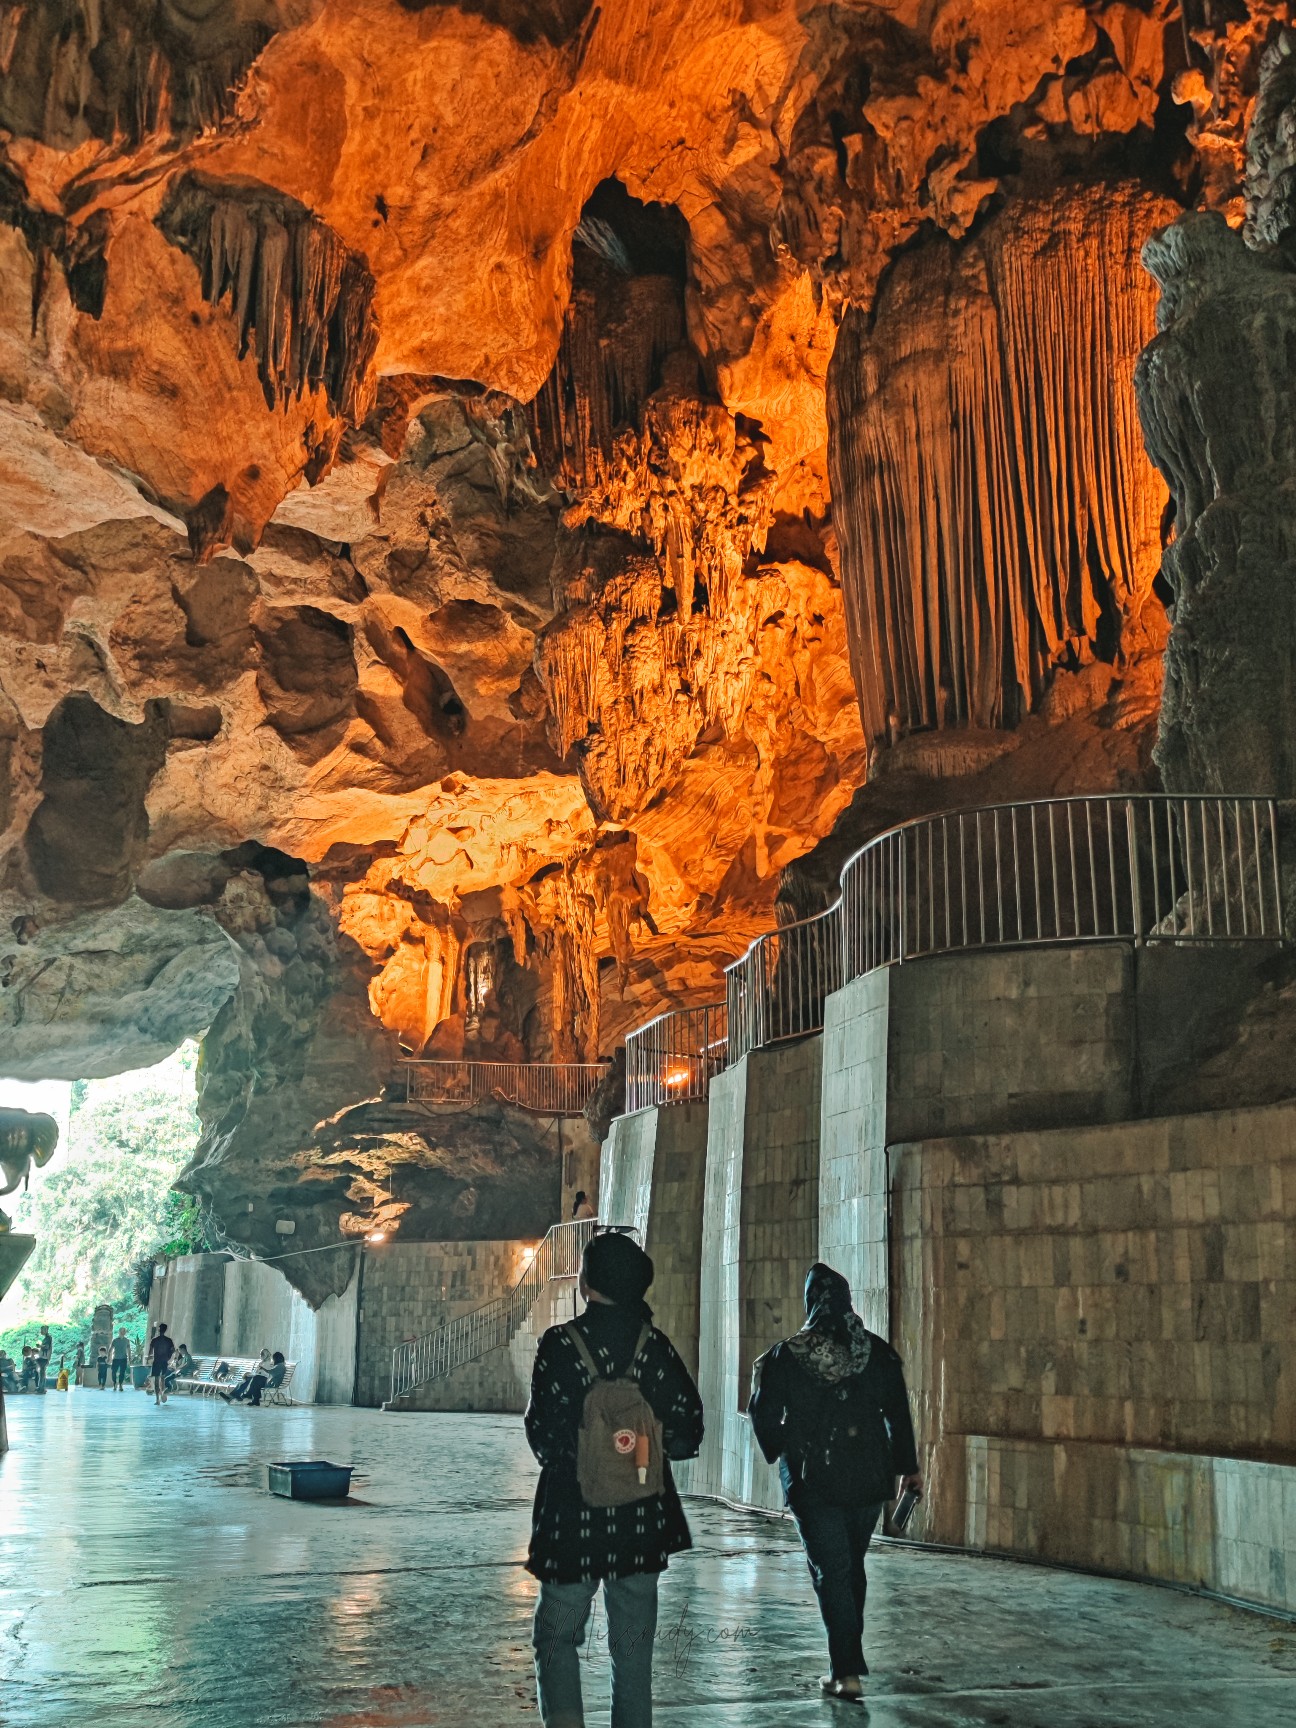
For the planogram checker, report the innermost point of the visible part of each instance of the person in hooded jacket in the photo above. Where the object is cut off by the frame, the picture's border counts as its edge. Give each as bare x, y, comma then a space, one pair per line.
831, 1406
576, 1547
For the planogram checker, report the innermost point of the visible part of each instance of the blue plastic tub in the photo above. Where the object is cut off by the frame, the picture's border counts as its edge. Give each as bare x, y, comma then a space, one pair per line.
313, 1479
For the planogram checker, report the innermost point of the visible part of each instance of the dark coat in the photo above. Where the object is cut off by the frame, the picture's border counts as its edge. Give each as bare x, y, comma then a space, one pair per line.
789, 1405
571, 1541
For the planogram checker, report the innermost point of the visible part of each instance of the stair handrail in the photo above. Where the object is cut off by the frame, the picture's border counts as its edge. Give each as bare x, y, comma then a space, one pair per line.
470, 1336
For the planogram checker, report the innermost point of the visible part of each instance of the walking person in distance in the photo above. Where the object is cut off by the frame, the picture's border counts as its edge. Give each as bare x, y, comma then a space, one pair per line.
831, 1406
121, 1356
611, 1404
160, 1352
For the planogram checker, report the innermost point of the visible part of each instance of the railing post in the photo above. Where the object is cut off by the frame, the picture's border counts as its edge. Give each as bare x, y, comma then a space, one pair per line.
1136, 895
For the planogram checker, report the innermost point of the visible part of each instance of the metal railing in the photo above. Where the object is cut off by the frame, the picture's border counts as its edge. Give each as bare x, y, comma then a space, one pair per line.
470, 1336
777, 989
1148, 867
673, 1057
1151, 868
544, 1088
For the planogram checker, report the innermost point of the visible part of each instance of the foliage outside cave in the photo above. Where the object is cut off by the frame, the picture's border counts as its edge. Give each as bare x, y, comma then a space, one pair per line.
105, 1206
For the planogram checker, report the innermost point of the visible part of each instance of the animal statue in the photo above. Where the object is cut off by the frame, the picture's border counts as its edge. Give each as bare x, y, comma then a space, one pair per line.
26, 1138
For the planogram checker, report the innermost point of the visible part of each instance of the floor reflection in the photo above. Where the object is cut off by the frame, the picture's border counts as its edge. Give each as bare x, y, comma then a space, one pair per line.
149, 1580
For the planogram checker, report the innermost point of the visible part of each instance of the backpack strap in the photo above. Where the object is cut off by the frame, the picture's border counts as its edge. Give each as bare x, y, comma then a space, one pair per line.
582, 1349
645, 1334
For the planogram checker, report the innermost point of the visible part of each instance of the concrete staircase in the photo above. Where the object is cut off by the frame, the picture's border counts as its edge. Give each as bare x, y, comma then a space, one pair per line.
545, 1294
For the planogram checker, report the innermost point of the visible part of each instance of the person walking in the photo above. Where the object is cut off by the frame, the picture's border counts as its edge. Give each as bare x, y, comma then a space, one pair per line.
101, 1366
121, 1355
160, 1351
831, 1406
611, 1404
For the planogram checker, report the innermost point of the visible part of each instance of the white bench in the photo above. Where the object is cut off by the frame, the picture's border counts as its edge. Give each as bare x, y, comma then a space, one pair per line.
202, 1383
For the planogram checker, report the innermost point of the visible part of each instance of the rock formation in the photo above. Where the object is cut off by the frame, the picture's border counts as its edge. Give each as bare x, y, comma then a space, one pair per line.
483, 487
1217, 390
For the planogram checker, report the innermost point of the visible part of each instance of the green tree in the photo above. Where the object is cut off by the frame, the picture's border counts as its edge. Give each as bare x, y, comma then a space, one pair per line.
106, 1203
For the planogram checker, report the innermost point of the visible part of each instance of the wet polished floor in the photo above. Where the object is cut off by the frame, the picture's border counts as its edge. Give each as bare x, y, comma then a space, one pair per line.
148, 1580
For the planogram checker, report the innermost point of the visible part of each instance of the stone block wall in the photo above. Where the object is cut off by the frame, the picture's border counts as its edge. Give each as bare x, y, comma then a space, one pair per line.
409, 1289
261, 1309
1022, 1038
853, 1136
219, 1305
760, 1228
654, 1170
1221, 1524
1097, 1304
1130, 1286
961, 1043
189, 1295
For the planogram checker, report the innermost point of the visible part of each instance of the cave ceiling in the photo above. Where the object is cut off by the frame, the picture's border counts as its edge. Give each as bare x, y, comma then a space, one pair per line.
487, 488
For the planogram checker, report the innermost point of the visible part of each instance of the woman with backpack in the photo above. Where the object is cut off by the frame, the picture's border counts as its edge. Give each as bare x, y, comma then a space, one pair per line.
831, 1406
611, 1403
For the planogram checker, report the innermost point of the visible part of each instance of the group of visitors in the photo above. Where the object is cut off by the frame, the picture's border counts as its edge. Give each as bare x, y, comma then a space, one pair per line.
32, 1372
612, 1404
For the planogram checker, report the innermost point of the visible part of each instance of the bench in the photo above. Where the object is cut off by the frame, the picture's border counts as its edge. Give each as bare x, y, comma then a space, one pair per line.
201, 1383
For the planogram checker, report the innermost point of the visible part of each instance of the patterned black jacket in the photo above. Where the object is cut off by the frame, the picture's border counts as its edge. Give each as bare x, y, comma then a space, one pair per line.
571, 1541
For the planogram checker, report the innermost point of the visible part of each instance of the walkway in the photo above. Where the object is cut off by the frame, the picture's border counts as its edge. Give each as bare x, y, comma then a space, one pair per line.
128, 1532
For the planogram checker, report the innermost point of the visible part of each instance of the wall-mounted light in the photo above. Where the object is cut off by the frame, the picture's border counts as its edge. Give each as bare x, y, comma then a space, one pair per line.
376, 1236
285, 1227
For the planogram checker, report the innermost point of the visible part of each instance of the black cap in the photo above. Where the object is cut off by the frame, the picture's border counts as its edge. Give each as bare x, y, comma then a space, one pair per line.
617, 1267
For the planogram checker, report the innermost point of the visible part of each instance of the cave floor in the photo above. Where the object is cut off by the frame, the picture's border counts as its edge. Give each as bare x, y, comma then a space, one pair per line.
148, 1580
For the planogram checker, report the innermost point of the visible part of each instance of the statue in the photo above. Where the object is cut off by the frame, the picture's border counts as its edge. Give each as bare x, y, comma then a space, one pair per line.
26, 1138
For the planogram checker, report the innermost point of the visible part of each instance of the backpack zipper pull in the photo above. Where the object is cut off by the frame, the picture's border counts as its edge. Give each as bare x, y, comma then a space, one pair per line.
641, 1458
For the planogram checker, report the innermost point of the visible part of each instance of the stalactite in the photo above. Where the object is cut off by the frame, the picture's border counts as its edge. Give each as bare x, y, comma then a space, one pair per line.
996, 514
122, 71
609, 363
293, 287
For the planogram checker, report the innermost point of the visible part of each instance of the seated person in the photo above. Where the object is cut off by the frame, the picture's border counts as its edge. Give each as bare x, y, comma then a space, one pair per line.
264, 1374
244, 1387
182, 1367
30, 1369
7, 1376
221, 1371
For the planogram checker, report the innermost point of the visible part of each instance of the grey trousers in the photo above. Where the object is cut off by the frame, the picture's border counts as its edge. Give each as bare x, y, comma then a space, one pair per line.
561, 1620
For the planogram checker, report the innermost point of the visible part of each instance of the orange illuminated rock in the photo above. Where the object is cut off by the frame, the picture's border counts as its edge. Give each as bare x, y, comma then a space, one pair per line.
479, 481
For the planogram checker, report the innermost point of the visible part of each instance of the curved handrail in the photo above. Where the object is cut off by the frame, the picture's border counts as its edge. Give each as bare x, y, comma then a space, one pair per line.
777, 989
543, 1088
673, 1057
1142, 867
